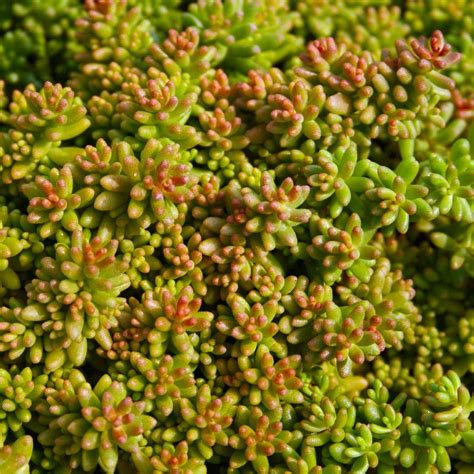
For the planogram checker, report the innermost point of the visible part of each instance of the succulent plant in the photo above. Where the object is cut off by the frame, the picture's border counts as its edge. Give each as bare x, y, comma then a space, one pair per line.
77, 419
236, 236
16, 457
37, 123
19, 390
164, 382
171, 316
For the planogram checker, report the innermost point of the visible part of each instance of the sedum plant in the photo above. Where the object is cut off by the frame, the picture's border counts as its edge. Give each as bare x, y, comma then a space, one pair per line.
236, 236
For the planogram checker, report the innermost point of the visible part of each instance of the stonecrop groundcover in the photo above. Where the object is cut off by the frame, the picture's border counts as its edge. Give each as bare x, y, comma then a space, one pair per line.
236, 236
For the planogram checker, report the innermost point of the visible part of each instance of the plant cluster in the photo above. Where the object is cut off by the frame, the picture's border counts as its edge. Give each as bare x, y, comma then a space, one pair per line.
236, 236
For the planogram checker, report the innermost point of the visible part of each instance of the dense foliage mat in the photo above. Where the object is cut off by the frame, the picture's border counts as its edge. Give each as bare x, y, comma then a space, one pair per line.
236, 236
